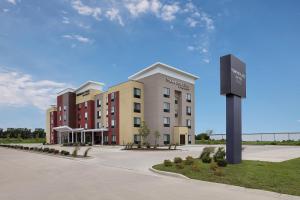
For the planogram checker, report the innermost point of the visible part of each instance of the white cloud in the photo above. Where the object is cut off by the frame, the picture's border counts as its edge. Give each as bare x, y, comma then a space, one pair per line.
191, 48
168, 12
19, 89
208, 21
66, 20
113, 15
191, 22
79, 38
86, 10
298, 120
12, 1
137, 7
5, 10
206, 60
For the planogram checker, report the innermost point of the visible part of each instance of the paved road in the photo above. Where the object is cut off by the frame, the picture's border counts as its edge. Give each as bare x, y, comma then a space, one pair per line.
111, 174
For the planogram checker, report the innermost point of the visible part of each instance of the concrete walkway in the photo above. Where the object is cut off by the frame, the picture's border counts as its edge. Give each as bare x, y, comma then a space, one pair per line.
111, 174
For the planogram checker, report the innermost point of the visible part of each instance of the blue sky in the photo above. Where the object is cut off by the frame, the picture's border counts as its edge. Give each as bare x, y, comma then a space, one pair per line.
48, 45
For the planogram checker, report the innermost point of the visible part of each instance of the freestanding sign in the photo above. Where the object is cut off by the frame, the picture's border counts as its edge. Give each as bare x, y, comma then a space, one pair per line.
233, 85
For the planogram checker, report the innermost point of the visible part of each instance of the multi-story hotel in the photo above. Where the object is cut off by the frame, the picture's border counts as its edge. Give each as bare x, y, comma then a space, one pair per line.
160, 95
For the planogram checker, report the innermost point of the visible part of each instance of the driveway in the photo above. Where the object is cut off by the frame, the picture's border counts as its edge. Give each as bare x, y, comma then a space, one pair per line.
113, 174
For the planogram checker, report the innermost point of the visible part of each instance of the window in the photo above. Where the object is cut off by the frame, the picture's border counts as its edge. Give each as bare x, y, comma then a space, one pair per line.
176, 100
176, 113
106, 138
106, 100
136, 121
98, 125
166, 92
188, 123
166, 121
166, 107
65, 108
85, 125
98, 114
137, 93
188, 97
65, 116
112, 96
114, 139
188, 110
85, 104
166, 139
98, 103
106, 124
137, 138
86, 115
59, 108
112, 123
112, 110
106, 112
190, 139
137, 107
59, 117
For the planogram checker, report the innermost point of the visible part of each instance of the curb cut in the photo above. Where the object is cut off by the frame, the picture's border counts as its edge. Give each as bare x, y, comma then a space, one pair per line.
171, 174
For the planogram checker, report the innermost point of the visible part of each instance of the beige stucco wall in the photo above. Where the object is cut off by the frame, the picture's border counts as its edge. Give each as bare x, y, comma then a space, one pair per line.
90, 96
126, 113
48, 111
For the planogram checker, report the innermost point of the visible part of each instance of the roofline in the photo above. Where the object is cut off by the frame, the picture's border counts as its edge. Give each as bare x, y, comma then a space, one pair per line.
65, 90
168, 66
86, 83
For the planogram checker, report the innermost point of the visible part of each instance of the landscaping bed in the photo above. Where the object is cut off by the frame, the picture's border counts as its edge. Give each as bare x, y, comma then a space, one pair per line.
49, 151
283, 177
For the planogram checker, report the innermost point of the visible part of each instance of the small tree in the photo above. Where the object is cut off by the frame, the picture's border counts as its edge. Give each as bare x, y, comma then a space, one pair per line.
144, 131
156, 135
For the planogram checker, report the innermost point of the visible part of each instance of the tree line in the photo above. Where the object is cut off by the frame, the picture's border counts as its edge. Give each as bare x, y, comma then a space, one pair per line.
22, 133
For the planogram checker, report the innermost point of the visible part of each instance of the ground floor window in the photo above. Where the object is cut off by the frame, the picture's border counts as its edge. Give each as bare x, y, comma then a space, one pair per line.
114, 139
105, 139
166, 139
137, 139
190, 139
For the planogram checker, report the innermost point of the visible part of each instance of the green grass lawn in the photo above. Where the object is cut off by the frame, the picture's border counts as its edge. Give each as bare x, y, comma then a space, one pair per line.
290, 142
283, 177
17, 141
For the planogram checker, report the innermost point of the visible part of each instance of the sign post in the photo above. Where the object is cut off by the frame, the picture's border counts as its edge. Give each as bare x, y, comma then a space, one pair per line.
233, 85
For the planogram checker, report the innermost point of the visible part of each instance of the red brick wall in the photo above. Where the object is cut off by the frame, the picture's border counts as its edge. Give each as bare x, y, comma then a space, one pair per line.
59, 113
53, 133
80, 121
116, 117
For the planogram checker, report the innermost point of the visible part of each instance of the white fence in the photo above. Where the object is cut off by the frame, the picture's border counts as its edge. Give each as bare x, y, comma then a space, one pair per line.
262, 136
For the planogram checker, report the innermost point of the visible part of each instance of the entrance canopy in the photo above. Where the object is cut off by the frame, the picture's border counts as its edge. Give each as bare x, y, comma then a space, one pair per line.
67, 129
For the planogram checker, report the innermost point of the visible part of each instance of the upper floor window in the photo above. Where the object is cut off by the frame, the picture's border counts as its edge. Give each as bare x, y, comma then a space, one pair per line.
98, 114
106, 112
98, 102
166, 107
137, 107
112, 96
137, 93
176, 100
98, 125
188, 97
188, 123
188, 110
59, 108
166, 92
59, 117
85, 125
112, 123
106, 124
65, 108
85, 104
166, 121
86, 115
112, 110
106, 100
65, 116
136, 121
176, 113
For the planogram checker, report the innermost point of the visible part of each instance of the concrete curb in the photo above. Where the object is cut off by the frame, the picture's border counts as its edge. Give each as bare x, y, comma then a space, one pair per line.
171, 174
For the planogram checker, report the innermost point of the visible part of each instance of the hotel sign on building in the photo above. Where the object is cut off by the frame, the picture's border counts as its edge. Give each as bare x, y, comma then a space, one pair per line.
179, 84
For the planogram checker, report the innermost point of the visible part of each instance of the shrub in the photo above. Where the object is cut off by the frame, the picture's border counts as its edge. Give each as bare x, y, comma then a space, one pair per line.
222, 163
41, 149
167, 163
86, 152
213, 166
205, 155
219, 172
139, 146
46, 149
75, 151
26, 148
35, 148
56, 151
189, 160
148, 145
177, 160
195, 167
220, 154
51, 150
179, 165
65, 153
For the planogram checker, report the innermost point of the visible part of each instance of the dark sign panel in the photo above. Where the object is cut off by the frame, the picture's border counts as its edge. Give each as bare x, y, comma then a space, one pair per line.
233, 76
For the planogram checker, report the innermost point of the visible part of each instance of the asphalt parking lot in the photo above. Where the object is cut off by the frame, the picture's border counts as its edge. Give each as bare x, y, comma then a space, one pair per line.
112, 173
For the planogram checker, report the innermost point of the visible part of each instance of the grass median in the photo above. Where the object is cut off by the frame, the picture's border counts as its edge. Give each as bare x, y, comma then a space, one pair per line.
283, 177
20, 141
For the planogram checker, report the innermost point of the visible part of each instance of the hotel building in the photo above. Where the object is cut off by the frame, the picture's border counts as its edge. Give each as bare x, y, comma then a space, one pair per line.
160, 95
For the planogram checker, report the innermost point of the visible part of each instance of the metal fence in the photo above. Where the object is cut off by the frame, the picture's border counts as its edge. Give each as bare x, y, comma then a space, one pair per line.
263, 136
